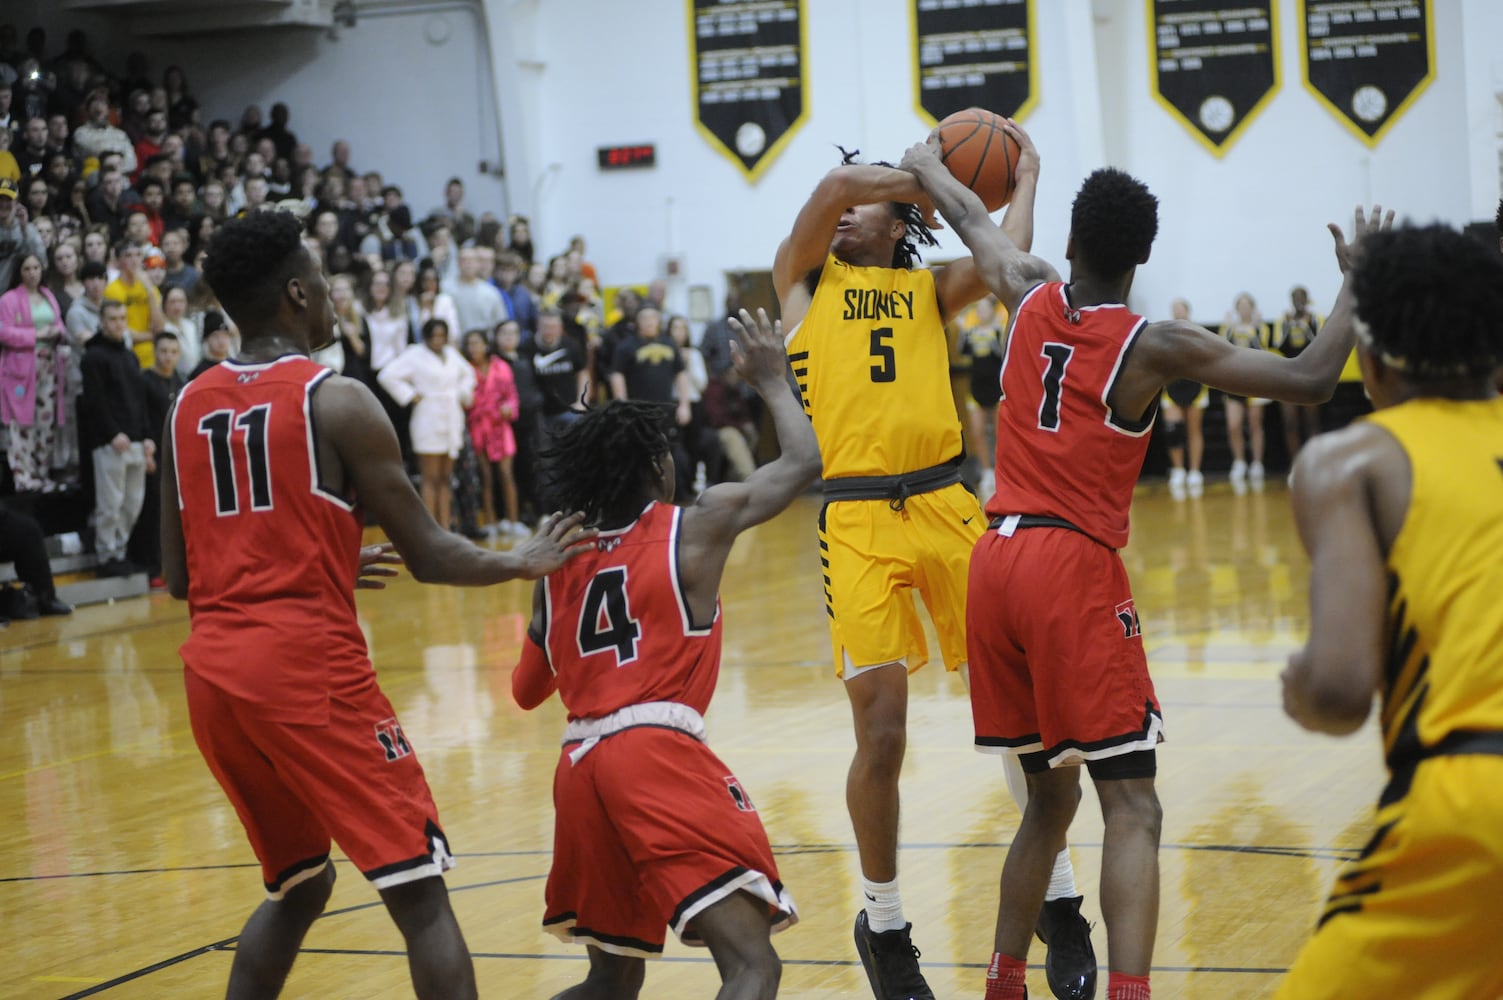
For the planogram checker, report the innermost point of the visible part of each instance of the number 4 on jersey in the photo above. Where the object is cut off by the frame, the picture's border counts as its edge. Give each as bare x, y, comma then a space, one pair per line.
605, 621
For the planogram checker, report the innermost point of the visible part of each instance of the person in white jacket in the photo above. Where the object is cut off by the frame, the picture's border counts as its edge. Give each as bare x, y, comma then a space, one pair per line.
439, 385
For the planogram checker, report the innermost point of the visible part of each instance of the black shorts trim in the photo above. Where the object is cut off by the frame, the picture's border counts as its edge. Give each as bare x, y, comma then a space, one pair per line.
616, 940
297, 868
434, 836
710, 888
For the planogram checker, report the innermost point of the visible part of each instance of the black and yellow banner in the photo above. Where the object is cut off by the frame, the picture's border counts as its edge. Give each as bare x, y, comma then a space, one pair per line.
977, 54
1367, 60
747, 61
1214, 64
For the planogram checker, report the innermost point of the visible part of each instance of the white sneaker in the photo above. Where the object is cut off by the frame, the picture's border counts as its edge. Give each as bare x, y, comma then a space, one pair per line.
1239, 471
1195, 483
1177, 483
1255, 474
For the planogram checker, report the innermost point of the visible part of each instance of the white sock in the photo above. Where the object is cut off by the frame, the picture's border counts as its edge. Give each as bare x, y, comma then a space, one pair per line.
1062, 879
884, 905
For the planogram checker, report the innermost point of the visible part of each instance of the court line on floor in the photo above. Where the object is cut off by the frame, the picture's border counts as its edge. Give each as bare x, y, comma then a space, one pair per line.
226, 943
786, 850
820, 962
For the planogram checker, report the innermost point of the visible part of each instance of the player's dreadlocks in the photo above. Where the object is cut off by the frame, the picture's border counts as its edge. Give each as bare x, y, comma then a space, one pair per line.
1432, 299
906, 253
1113, 222
250, 260
605, 463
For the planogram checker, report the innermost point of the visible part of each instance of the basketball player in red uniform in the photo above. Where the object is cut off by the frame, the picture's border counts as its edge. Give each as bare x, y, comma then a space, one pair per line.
271, 456
652, 830
1058, 674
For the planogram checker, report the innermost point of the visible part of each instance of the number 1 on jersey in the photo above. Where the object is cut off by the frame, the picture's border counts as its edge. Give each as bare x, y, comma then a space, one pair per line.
218, 428
1054, 379
605, 620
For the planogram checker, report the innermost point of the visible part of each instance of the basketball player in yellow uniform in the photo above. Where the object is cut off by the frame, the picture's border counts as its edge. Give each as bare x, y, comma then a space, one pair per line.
869, 353
1291, 335
1403, 515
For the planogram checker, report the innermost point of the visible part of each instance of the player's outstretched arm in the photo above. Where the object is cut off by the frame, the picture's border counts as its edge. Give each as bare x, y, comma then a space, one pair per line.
726, 510
1329, 684
857, 184
1178, 349
352, 424
533, 680
1002, 266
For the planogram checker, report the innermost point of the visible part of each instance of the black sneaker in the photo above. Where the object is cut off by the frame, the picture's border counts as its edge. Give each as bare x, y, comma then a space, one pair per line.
1070, 964
891, 963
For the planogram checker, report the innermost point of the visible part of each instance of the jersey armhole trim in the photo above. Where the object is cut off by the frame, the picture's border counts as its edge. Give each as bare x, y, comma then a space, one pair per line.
1012, 324
684, 613
315, 467
542, 640
1141, 426
177, 480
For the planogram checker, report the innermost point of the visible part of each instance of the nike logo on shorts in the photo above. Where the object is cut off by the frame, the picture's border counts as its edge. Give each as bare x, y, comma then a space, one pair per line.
969, 519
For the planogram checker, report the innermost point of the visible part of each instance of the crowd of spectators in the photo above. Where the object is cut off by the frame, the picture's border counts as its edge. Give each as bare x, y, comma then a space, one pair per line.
111, 187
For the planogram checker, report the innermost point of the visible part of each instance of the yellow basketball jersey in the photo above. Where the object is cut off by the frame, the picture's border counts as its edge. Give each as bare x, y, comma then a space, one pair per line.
1444, 662
873, 370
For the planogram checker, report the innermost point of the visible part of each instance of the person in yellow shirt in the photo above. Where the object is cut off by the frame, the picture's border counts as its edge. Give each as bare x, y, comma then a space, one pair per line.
1402, 513
868, 350
9, 169
143, 303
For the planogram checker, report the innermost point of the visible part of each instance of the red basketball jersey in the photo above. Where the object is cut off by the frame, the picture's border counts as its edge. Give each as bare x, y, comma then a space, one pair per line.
272, 555
1061, 451
618, 629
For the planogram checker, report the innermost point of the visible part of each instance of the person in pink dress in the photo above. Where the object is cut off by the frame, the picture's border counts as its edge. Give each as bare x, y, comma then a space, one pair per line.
491, 417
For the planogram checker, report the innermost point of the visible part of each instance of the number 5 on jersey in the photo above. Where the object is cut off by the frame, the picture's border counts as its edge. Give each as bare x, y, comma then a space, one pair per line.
605, 620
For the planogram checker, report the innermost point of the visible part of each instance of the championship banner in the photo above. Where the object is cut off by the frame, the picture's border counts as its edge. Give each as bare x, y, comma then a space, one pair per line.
1367, 60
1214, 65
747, 60
978, 54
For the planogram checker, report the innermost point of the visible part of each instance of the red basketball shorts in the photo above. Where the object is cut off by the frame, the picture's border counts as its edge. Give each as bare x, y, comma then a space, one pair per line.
650, 830
354, 781
1058, 673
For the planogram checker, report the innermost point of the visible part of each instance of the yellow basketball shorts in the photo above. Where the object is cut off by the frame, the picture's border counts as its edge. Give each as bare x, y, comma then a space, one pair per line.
1417, 914
875, 557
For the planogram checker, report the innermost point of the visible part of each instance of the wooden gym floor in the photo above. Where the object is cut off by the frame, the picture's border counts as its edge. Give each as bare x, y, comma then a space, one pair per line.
124, 873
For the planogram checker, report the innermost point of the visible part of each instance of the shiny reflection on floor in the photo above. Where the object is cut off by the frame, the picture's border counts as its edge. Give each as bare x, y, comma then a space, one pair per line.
124, 872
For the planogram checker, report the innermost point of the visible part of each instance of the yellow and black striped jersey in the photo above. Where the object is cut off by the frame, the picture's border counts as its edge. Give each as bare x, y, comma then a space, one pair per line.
873, 369
1444, 663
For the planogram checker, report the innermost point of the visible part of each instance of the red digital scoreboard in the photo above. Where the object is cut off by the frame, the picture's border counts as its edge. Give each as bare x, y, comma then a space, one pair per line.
622, 157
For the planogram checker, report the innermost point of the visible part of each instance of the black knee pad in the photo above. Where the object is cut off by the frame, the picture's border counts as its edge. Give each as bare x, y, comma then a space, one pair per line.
1174, 434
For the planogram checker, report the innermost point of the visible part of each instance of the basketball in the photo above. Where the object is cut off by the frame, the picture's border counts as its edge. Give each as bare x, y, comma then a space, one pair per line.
980, 155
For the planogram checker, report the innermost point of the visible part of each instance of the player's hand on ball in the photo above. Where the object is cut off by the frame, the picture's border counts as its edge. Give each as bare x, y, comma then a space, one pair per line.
922, 155
376, 562
757, 349
558, 539
1362, 225
1028, 153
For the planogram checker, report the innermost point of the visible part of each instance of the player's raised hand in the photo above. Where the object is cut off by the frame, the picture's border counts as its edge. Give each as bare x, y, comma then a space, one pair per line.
922, 155
757, 349
376, 562
1363, 224
1028, 154
559, 538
